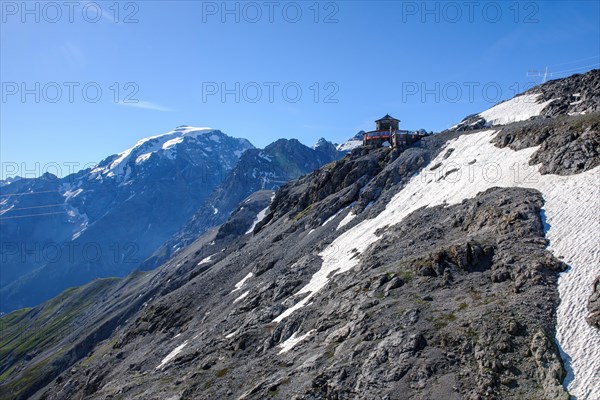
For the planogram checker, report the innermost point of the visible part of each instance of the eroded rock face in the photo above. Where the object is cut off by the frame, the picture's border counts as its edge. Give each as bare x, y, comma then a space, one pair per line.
576, 94
594, 305
568, 145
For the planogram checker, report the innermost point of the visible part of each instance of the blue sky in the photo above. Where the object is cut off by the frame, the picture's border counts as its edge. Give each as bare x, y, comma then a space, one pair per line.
428, 64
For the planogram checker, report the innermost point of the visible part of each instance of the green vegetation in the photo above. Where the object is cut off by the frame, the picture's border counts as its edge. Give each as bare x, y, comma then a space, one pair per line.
406, 276
475, 294
273, 391
222, 372
303, 212
25, 333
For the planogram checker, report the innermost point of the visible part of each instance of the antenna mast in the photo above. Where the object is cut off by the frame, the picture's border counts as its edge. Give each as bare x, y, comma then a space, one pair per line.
540, 73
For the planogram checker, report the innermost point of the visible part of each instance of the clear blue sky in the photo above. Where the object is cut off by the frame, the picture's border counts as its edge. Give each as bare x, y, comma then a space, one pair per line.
372, 57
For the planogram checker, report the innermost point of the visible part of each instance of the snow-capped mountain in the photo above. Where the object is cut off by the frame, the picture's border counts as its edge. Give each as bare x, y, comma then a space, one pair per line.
462, 267
257, 169
104, 221
183, 142
352, 143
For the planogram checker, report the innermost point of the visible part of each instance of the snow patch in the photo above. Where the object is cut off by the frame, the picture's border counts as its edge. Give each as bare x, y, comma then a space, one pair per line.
172, 355
242, 296
239, 285
293, 341
69, 194
2, 212
264, 156
332, 217
519, 108
260, 216
349, 145
205, 260
349, 217
170, 143
142, 158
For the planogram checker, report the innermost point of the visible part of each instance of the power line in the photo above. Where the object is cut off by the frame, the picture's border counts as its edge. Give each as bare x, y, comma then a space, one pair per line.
32, 215
29, 208
575, 69
27, 193
574, 61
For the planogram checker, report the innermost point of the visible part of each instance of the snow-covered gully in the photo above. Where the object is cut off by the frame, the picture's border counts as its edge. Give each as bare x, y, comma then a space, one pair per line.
571, 209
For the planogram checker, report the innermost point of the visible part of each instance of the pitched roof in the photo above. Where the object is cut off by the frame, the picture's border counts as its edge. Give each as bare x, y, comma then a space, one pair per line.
387, 117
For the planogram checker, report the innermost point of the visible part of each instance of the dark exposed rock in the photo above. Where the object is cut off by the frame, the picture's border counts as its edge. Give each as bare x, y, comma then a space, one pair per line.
568, 145
594, 305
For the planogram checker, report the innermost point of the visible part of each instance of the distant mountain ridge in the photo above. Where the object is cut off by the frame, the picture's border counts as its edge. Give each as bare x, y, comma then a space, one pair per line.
103, 221
266, 169
147, 201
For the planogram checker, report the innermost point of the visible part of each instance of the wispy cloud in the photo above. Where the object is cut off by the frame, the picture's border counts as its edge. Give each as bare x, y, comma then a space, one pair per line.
146, 105
73, 55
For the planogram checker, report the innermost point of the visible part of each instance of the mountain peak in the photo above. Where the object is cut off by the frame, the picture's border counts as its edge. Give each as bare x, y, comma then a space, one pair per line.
165, 145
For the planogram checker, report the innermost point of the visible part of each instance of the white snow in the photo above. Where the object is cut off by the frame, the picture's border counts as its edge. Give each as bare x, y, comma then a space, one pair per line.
215, 210
349, 217
7, 209
349, 145
293, 341
74, 215
264, 156
242, 296
142, 158
239, 285
69, 194
170, 143
205, 260
519, 108
571, 207
332, 217
164, 142
172, 355
260, 216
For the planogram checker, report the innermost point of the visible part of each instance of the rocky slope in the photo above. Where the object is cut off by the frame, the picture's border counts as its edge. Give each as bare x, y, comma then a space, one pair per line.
413, 274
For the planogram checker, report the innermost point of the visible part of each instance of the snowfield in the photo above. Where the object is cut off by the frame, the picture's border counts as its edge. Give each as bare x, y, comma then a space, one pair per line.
349, 145
519, 108
572, 207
